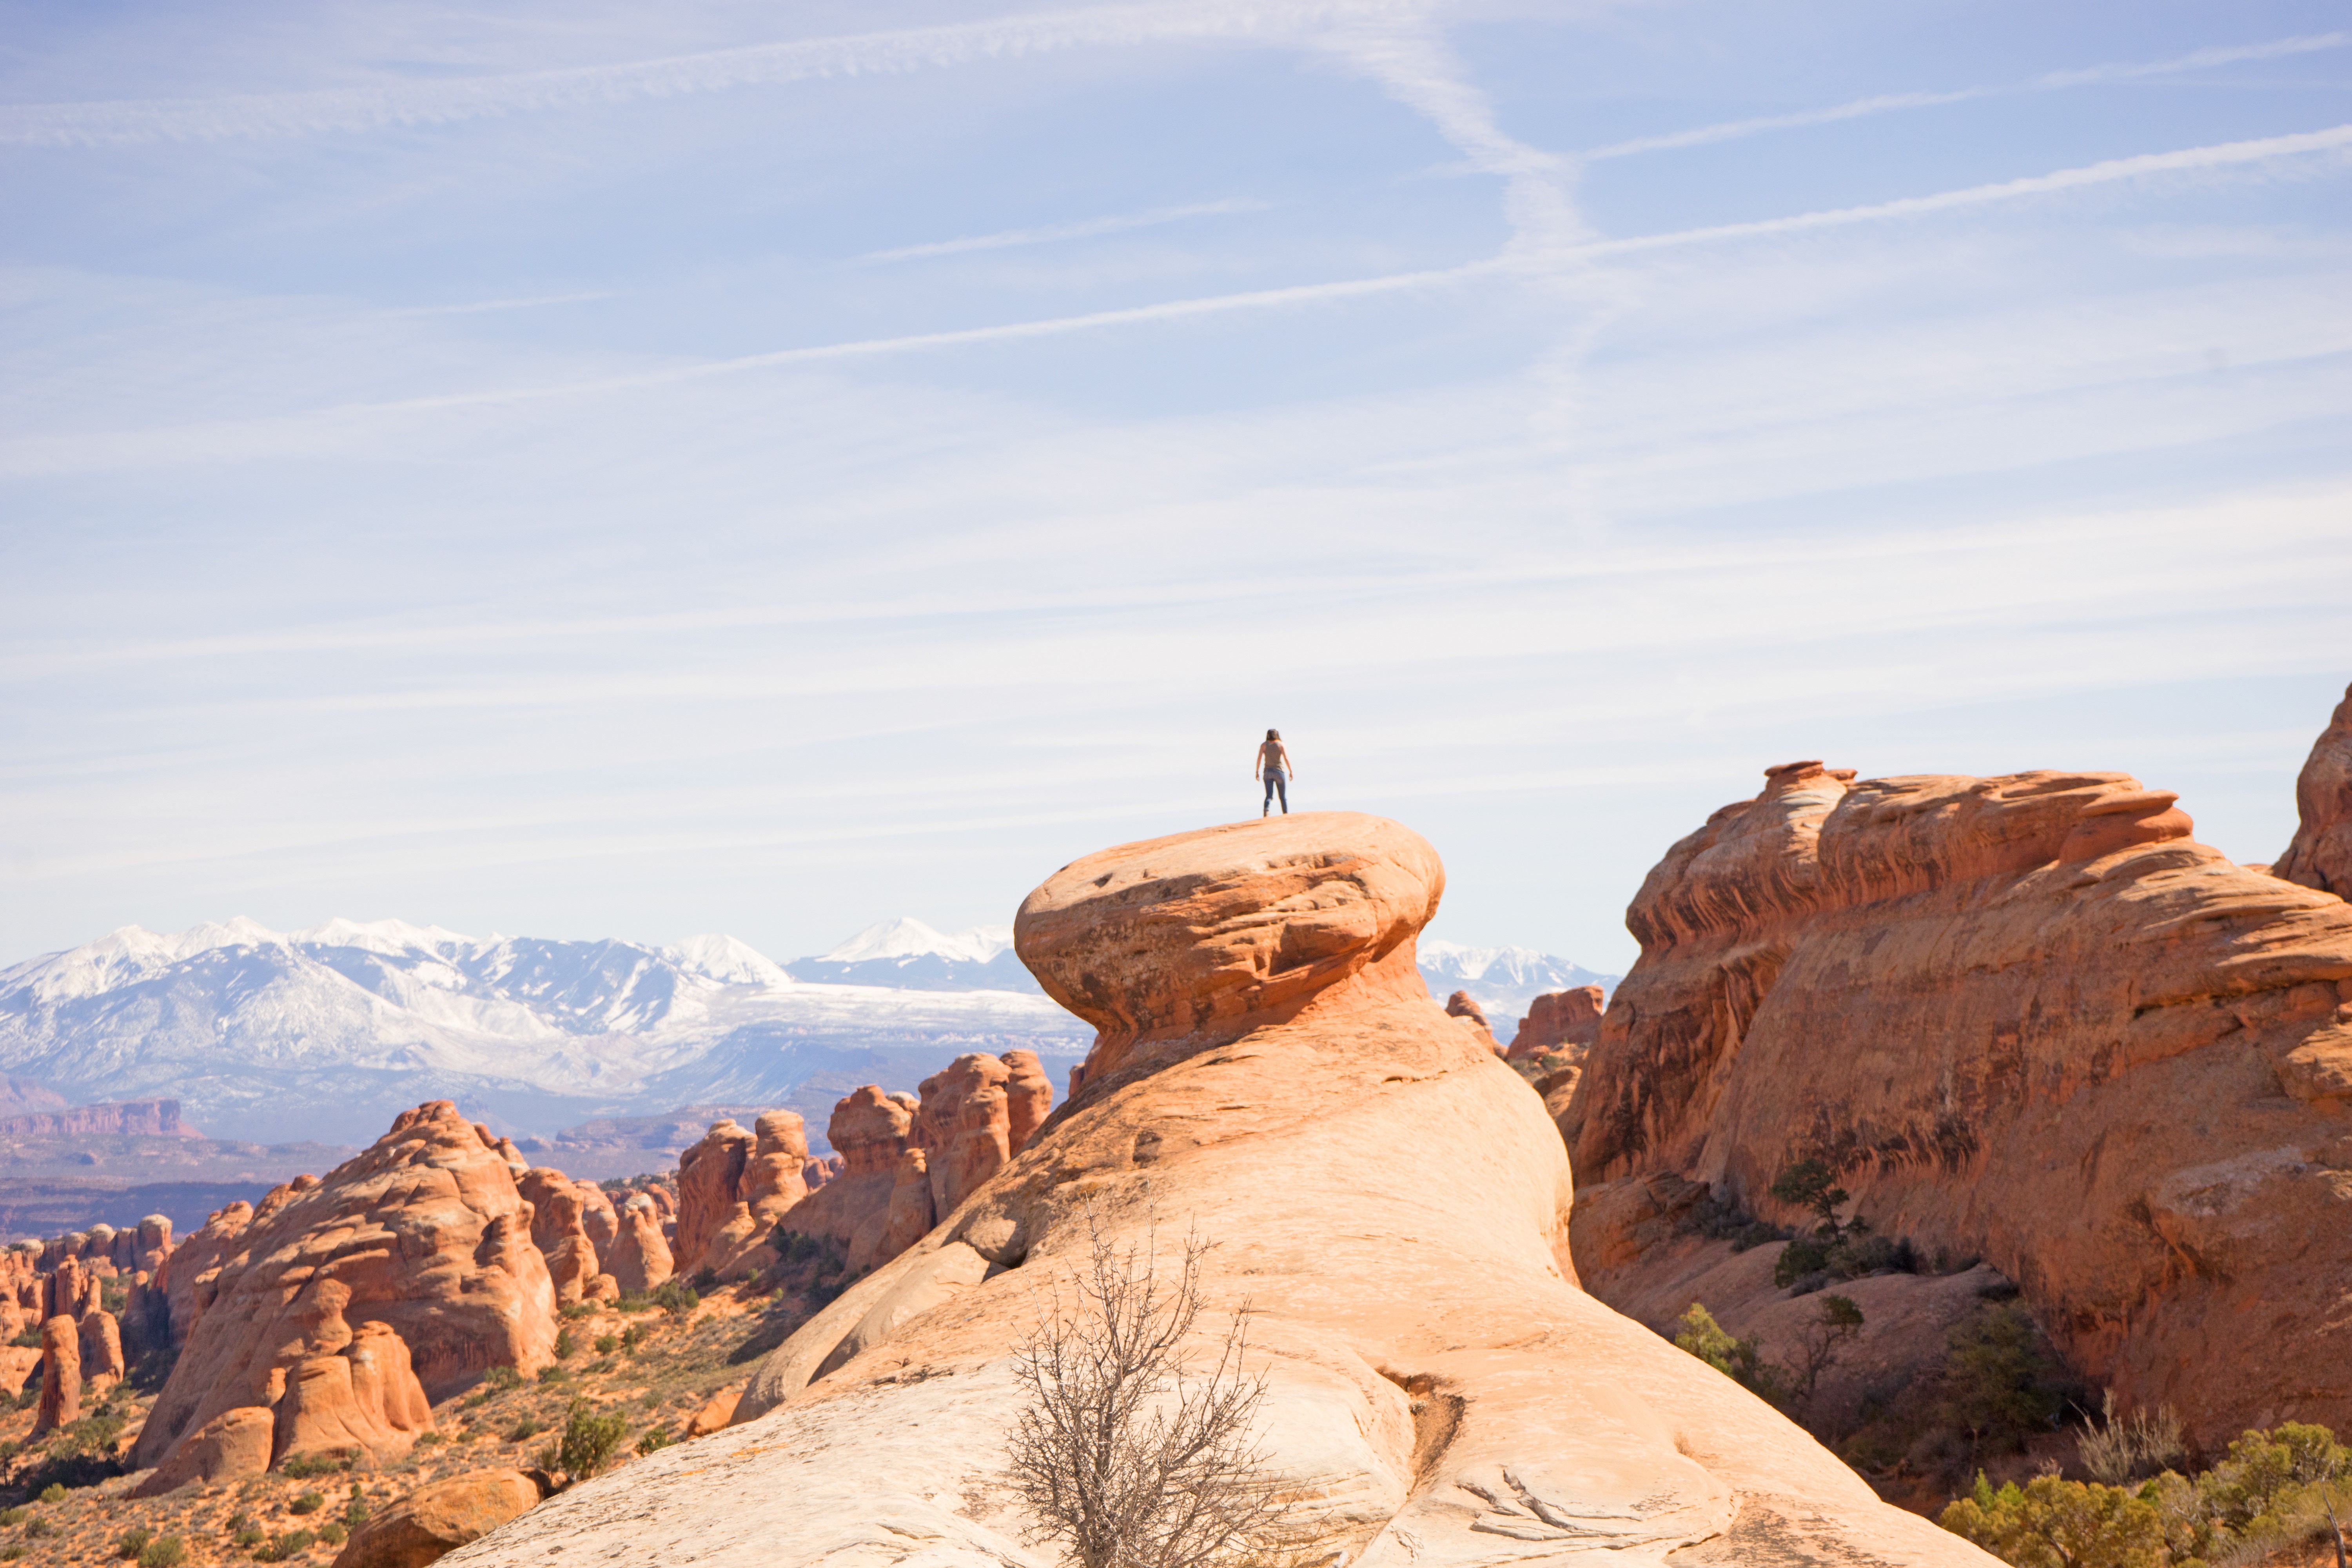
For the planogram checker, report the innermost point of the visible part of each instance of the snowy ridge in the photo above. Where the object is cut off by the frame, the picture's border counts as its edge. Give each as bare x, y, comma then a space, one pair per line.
907, 937
324, 1033
1503, 980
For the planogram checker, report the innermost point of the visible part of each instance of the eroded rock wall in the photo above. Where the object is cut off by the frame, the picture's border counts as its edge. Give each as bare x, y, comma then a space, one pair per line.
2029, 1019
2320, 855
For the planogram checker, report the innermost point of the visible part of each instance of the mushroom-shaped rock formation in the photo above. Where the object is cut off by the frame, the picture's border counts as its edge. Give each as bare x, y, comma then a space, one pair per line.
1439, 1391
424, 1234
2320, 855
2026, 1019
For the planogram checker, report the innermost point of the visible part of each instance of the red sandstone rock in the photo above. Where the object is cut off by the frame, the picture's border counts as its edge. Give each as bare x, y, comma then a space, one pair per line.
437, 1518
18, 1365
715, 1412
424, 1233
101, 1353
1433, 1379
60, 1375
710, 1175
640, 1259
560, 1231
1564, 1021
2026, 1018
598, 1216
910, 1214
1465, 1006
365, 1399
2321, 853
1029, 1096
868, 1129
232, 1444
964, 1124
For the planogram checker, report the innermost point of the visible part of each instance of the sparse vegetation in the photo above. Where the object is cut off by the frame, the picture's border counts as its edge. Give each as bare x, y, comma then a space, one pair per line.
502, 1379
2281, 1491
309, 1502
132, 1542
565, 1344
657, 1438
1124, 1461
163, 1552
308, 1466
590, 1440
1790, 1382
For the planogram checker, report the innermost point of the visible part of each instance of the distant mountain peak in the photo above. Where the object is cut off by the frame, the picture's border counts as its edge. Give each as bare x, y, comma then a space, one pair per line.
907, 937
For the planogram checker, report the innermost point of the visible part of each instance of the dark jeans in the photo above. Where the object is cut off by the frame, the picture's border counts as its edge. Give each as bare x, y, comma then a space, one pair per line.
1277, 784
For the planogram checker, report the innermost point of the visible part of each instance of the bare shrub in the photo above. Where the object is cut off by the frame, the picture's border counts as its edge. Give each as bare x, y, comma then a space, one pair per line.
1126, 1460
2119, 1451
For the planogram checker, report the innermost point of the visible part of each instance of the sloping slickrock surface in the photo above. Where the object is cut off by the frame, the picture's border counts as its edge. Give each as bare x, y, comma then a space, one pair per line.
424, 1234
2320, 855
1438, 1384
2026, 1018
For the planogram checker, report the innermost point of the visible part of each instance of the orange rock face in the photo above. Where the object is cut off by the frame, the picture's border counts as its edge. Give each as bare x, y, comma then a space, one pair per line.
437, 1518
235, 1443
710, 1175
2321, 854
559, 1229
733, 1187
1565, 1021
1029, 1097
1434, 1380
60, 1375
424, 1235
640, 1259
869, 1130
2026, 1018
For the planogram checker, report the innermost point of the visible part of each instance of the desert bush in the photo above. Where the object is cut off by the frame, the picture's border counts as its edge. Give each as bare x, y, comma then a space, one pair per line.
656, 1439
132, 1542
286, 1547
309, 1502
244, 1530
12, 1517
675, 1297
2118, 1450
527, 1429
590, 1440
565, 1344
308, 1466
1739, 1360
2054, 1524
1810, 1184
54, 1492
608, 1344
503, 1379
163, 1552
1123, 1458
554, 1373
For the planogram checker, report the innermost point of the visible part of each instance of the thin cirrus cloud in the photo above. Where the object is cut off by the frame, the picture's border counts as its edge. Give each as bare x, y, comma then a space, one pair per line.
245, 439
1861, 108
345, 109
1085, 229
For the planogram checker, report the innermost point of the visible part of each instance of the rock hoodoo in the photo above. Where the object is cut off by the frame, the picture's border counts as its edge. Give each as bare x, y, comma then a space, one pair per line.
338, 1304
733, 1187
1437, 1382
2025, 1018
1564, 1021
2321, 853
909, 1161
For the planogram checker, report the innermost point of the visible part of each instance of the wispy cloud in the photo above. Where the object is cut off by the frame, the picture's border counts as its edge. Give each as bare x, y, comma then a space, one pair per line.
2188, 160
476, 307
1083, 229
2085, 76
367, 109
239, 440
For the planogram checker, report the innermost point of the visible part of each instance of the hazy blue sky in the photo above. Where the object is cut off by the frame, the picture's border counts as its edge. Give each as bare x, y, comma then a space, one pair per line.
597, 469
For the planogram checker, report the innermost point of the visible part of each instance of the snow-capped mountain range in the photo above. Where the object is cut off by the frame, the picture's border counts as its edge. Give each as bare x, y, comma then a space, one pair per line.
325, 1032
907, 952
1503, 979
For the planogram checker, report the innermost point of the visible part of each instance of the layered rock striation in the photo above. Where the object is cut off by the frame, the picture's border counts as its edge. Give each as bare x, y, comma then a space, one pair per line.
2024, 1018
1438, 1389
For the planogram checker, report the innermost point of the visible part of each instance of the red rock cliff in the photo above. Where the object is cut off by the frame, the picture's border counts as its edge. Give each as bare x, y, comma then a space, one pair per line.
2321, 853
2026, 1017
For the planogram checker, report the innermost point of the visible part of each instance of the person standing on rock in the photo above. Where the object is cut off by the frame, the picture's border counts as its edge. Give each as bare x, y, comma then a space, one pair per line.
1273, 766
